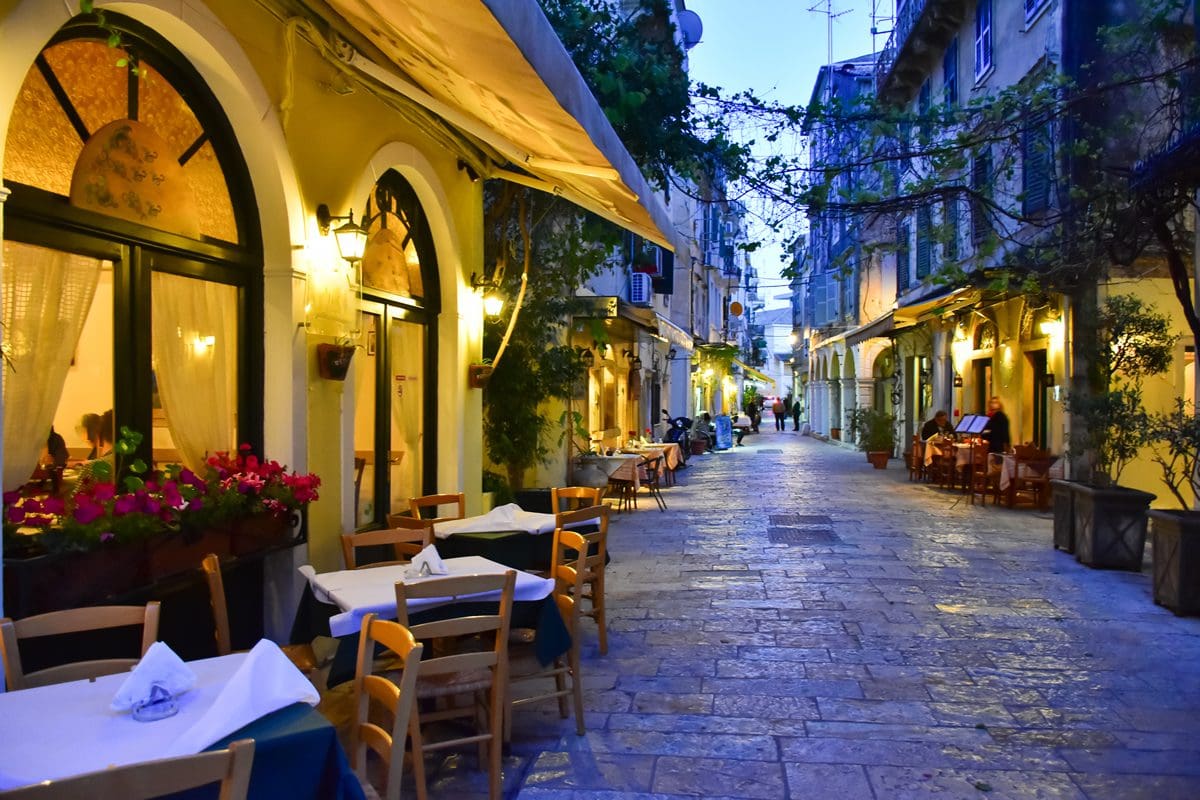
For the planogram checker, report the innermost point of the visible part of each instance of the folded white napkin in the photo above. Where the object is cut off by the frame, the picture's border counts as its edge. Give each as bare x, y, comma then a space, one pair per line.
428, 557
266, 681
160, 665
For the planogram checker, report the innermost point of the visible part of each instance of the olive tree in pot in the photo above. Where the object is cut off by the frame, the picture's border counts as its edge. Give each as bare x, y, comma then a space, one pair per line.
1108, 521
875, 433
587, 465
1176, 534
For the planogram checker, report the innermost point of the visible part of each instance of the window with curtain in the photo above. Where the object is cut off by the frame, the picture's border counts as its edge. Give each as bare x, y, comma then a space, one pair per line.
114, 169
47, 304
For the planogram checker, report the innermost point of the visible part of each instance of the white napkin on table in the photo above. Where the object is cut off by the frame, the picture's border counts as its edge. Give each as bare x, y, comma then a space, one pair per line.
159, 665
265, 682
428, 557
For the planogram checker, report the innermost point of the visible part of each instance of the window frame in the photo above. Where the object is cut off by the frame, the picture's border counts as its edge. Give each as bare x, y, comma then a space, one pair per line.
983, 38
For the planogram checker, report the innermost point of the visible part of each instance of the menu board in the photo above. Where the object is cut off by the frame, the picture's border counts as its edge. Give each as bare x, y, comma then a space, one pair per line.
724, 432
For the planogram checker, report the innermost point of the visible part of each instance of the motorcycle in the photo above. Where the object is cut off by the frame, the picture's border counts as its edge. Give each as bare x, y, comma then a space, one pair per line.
679, 431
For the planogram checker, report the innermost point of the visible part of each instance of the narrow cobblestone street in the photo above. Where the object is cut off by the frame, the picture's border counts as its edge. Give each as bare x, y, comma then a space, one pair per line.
801, 625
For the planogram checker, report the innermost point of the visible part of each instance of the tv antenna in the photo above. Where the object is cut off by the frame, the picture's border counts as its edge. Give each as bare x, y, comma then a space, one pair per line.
826, 8
883, 13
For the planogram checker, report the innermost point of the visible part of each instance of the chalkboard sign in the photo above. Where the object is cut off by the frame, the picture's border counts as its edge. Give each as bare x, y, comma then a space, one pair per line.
724, 432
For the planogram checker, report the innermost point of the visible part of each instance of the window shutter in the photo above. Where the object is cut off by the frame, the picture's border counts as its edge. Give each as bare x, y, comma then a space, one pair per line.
950, 74
981, 175
983, 37
924, 242
902, 259
1035, 167
950, 218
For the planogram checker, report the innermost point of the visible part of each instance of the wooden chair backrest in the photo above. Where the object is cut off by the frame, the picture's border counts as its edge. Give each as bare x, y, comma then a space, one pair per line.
597, 540
456, 589
231, 767
216, 598
575, 497
653, 468
73, 620
416, 504
395, 696
406, 541
568, 569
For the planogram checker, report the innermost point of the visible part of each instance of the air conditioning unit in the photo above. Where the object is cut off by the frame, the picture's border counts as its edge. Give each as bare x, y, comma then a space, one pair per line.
641, 289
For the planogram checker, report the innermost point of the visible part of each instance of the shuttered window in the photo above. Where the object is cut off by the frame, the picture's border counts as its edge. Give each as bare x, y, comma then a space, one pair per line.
1036, 166
981, 178
950, 220
903, 265
950, 74
924, 243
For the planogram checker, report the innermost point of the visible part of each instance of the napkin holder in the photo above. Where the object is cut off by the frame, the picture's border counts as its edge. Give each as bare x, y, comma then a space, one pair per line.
159, 705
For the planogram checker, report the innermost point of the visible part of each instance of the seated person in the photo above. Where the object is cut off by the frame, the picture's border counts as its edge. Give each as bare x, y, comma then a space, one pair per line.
701, 432
739, 429
940, 424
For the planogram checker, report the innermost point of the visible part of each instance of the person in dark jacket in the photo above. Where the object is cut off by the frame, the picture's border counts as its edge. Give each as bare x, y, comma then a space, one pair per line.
796, 415
996, 434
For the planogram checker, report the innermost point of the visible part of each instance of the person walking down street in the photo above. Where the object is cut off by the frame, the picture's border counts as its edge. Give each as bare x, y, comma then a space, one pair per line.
780, 412
796, 415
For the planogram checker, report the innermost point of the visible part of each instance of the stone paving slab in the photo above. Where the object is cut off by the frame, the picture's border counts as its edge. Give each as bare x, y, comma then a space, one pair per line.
915, 646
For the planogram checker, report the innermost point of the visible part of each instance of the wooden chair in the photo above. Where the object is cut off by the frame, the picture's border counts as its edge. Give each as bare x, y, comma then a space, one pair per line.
407, 539
433, 501
623, 489
593, 573
653, 482
360, 465
396, 698
166, 776
916, 459
981, 480
73, 620
567, 569
481, 674
1031, 477
301, 655
574, 497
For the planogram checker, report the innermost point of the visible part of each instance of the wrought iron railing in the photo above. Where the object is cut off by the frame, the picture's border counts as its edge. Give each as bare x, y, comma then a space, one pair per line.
906, 19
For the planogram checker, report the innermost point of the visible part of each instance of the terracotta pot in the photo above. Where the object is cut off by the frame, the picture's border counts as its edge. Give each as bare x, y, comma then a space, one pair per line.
879, 458
1176, 560
1110, 526
333, 360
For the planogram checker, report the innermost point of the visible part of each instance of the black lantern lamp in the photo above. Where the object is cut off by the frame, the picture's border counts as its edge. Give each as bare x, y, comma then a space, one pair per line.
350, 237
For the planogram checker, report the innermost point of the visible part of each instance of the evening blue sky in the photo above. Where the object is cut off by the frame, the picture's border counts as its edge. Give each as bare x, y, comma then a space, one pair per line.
775, 47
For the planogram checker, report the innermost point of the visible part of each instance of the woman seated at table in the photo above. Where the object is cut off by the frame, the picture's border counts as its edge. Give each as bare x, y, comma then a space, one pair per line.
103, 450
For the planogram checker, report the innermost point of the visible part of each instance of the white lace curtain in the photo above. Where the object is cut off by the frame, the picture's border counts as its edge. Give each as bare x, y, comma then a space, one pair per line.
47, 296
195, 363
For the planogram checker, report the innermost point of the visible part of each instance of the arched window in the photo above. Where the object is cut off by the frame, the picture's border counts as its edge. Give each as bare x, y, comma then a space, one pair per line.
395, 394
133, 266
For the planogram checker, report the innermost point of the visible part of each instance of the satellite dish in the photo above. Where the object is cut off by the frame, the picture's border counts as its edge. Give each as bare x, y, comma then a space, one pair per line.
735, 308
690, 27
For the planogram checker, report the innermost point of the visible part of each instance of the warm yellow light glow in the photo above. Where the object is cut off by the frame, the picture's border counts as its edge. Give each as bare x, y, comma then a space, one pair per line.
493, 304
1051, 327
201, 344
793, 339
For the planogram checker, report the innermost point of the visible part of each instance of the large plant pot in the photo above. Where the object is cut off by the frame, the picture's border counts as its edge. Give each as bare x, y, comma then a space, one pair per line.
1064, 515
1176, 560
261, 532
1110, 526
589, 472
878, 458
835, 434
182, 552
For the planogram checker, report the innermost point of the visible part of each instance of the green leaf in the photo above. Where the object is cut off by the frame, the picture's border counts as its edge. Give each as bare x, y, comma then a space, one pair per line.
86, 6
102, 471
133, 484
138, 466
114, 40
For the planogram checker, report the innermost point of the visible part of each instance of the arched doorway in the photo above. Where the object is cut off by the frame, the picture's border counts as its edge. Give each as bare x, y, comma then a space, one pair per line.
133, 257
395, 391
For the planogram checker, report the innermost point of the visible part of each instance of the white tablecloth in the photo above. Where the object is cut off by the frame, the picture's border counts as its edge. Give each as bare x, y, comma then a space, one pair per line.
624, 467
510, 517
68, 728
668, 450
1009, 470
358, 592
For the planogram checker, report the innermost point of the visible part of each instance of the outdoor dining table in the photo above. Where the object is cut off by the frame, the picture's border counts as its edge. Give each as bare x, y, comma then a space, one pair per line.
624, 467
334, 604
508, 535
669, 451
1054, 469
66, 729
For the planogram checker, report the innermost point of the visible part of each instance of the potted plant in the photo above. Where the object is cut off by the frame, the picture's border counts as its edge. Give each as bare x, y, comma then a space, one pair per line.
1108, 521
496, 491
875, 433
111, 536
588, 465
333, 360
1176, 533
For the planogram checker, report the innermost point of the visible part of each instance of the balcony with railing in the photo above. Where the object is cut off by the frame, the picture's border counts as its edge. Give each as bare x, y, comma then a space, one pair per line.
1178, 157
922, 30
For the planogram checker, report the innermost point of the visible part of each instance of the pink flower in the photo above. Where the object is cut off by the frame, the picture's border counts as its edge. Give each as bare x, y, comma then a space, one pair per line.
107, 536
87, 512
125, 504
14, 514
104, 491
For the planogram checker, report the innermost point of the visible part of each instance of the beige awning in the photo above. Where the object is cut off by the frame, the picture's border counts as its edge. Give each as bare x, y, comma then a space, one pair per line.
753, 373
497, 70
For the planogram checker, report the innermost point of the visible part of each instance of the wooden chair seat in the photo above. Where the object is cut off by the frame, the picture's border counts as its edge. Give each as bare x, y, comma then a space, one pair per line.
406, 539
457, 683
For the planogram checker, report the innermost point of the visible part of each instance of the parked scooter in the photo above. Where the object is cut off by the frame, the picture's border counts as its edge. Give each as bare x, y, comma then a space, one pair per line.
679, 431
